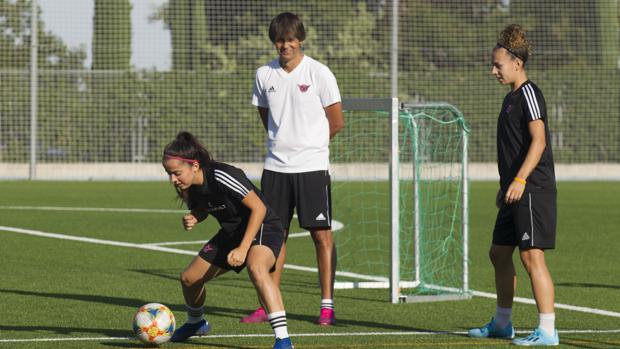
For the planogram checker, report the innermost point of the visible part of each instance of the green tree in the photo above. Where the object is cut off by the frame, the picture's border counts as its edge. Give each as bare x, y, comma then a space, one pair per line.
15, 39
112, 35
571, 31
231, 35
188, 24
15, 45
609, 28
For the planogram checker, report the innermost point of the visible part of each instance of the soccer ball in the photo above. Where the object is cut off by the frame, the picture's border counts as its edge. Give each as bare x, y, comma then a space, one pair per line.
153, 323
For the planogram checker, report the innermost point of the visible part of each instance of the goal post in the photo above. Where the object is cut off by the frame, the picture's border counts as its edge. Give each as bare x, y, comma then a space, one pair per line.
380, 187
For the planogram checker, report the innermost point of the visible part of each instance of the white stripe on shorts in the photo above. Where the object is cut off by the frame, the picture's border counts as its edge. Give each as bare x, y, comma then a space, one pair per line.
531, 220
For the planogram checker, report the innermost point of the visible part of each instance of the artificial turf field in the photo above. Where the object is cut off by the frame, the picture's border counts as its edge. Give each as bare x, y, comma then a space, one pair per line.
80, 287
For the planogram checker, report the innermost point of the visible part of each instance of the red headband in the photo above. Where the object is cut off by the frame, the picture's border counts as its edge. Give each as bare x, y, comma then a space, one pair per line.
191, 161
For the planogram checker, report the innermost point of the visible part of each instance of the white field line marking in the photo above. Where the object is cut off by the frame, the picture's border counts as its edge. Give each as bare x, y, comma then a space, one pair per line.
172, 243
291, 236
294, 267
557, 305
336, 225
320, 334
91, 209
95, 241
153, 247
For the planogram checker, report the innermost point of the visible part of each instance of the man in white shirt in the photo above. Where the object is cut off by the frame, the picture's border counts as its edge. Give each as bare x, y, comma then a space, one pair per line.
299, 103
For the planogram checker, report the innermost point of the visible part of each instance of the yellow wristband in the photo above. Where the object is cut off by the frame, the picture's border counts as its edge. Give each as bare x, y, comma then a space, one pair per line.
522, 181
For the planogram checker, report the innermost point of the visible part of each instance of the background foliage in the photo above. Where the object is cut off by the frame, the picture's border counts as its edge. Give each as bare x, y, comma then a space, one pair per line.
99, 113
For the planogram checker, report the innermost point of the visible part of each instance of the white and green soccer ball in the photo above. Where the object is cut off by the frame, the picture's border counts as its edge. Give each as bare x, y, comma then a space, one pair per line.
154, 323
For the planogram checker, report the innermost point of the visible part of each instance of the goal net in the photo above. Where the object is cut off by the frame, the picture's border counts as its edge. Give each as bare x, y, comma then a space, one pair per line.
400, 192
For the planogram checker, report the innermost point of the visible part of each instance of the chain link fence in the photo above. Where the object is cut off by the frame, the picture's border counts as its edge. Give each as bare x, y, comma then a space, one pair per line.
115, 80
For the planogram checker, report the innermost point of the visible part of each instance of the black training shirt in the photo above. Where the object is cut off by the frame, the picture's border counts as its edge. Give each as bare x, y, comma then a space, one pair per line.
520, 107
221, 194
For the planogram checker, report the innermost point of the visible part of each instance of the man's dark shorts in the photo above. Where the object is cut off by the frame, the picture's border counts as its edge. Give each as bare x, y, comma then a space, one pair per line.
308, 192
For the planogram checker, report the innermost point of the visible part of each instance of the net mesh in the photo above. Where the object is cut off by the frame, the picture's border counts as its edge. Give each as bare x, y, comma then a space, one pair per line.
431, 158
434, 148
360, 194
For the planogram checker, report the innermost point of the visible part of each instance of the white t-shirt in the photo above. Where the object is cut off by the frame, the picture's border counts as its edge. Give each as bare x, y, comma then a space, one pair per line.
298, 129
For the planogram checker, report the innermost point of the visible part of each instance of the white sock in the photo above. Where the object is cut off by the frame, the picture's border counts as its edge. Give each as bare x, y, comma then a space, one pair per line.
547, 322
502, 316
327, 303
194, 315
278, 323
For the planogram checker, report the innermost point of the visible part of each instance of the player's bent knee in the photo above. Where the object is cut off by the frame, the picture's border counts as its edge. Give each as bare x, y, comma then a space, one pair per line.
188, 280
258, 271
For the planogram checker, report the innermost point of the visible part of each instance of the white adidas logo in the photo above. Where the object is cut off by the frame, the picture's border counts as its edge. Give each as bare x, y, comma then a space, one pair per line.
525, 237
320, 217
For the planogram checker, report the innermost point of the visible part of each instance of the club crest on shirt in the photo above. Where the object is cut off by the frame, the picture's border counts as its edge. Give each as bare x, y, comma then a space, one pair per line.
213, 208
508, 108
303, 87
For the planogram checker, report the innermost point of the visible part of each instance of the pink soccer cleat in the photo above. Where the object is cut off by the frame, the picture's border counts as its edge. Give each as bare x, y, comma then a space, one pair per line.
327, 317
257, 316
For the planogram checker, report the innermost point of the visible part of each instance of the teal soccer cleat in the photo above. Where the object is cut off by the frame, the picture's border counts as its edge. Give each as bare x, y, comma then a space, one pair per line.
187, 330
491, 330
283, 343
539, 337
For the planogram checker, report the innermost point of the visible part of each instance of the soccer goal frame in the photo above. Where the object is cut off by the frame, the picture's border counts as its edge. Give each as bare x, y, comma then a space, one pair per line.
395, 281
418, 112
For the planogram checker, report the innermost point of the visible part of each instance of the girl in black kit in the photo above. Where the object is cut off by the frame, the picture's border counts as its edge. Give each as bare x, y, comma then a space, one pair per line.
251, 234
527, 195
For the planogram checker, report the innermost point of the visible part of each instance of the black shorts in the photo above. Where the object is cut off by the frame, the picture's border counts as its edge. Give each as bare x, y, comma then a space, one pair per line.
529, 223
309, 192
216, 250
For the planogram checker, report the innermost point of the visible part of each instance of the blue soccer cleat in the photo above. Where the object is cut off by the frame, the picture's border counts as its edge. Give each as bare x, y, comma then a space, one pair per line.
491, 330
187, 330
539, 337
283, 343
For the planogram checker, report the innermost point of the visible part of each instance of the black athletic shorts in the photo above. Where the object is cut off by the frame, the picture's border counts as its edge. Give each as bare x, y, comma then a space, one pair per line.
529, 223
308, 192
216, 250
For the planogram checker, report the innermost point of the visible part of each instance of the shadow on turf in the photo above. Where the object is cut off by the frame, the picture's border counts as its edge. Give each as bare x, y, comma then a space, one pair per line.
586, 285
69, 330
228, 279
185, 345
586, 343
135, 303
128, 302
288, 283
